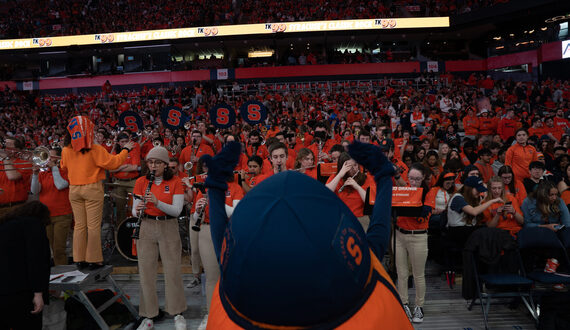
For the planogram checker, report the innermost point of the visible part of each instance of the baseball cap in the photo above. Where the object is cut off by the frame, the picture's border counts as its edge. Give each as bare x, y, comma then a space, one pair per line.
475, 182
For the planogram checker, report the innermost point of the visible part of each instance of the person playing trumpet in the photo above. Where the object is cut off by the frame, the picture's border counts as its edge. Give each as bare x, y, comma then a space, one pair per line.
52, 185
14, 175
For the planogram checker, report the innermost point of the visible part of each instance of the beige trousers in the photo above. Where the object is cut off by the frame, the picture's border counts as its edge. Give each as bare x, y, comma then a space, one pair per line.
87, 204
195, 249
57, 235
414, 247
209, 260
160, 237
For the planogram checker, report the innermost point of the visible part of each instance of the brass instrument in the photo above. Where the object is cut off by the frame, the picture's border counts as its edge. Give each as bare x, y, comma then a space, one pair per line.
156, 143
39, 157
188, 167
187, 125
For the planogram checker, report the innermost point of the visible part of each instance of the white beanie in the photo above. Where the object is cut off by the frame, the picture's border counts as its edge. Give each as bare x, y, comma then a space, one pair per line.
159, 153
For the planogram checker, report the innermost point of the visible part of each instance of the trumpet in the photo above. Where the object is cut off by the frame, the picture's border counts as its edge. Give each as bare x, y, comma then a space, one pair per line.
188, 166
156, 143
39, 157
187, 125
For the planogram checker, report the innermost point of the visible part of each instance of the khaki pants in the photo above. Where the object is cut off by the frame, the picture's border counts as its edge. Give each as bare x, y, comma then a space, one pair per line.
160, 237
87, 204
121, 199
195, 249
414, 247
209, 260
57, 235
364, 221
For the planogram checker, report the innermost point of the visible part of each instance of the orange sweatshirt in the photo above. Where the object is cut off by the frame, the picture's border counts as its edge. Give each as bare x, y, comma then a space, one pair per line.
90, 167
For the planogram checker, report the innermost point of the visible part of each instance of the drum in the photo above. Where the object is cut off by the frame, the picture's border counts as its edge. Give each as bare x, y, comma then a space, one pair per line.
123, 238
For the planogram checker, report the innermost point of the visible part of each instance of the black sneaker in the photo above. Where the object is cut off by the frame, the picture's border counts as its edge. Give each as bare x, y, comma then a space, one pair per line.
159, 317
82, 265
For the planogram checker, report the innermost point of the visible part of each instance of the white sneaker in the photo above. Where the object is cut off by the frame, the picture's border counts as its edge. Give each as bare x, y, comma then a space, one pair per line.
194, 283
146, 324
179, 322
408, 312
418, 315
204, 324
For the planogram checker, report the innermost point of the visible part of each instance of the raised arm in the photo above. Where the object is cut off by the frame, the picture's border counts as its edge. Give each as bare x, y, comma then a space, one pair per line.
374, 160
220, 168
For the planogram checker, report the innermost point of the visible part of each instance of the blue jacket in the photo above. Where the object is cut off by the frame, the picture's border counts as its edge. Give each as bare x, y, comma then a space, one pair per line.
533, 217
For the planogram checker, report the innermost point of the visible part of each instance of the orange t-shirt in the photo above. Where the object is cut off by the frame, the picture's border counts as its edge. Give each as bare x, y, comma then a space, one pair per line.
520, 191
187, 153
163, 192
134, 158
56, 200
234, 192
506, 221
16, 190
351, 197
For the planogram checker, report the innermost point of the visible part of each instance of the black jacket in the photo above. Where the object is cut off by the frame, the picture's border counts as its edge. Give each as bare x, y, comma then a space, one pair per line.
488, 244
24, 256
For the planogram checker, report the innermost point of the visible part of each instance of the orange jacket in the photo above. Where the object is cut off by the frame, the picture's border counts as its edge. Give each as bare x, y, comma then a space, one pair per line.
518, 158
487, 126
89, 167
471, 125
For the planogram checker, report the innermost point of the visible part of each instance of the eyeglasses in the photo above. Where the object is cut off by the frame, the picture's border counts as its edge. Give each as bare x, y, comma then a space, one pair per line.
154, 162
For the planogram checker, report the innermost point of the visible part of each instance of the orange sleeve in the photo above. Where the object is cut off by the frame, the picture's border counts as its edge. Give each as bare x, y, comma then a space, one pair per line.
430, 197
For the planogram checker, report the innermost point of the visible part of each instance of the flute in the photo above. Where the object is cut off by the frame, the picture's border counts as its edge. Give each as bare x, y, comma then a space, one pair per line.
344, 185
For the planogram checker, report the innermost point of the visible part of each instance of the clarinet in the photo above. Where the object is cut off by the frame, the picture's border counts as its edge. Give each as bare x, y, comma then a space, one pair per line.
137, 230
196, 226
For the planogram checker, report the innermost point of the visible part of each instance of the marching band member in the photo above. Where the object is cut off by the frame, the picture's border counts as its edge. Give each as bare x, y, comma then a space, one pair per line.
163, 202
195, 150
86, 163
350, 185
14, 180
53, 188
125, 176
201, 219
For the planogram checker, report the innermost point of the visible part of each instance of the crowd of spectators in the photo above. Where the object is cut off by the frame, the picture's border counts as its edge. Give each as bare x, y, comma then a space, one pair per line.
44, 18
490, 153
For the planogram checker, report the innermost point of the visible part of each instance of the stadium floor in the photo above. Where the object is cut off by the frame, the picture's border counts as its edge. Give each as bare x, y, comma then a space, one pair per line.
444, 308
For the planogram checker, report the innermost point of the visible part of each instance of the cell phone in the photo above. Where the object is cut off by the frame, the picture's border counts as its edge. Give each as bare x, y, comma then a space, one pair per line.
508, 203
558, 227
